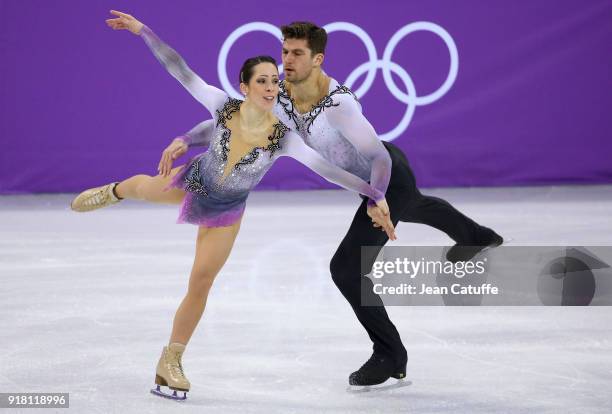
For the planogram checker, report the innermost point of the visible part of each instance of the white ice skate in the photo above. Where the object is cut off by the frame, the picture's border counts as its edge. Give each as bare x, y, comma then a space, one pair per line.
95, 198
170, 373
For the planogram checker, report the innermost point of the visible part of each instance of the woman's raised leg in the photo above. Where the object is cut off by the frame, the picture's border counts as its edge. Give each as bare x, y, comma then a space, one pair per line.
138, 187
149, 188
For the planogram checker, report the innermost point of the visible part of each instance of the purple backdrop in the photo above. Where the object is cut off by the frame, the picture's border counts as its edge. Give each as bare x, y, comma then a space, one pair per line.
83, 105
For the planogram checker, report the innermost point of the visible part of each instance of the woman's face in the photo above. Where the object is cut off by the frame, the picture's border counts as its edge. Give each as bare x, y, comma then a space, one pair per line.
262, 88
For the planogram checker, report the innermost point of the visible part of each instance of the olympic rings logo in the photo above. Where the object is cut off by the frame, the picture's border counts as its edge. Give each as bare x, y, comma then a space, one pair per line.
410, 98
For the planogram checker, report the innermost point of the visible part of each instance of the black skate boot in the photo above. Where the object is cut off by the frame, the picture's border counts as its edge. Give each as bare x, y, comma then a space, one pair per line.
487, 238
376, 371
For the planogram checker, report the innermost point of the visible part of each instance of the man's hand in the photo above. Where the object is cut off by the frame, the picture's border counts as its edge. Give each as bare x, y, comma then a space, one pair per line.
381, 218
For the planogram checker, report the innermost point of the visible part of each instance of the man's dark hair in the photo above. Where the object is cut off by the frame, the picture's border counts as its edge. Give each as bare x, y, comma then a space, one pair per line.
315, 37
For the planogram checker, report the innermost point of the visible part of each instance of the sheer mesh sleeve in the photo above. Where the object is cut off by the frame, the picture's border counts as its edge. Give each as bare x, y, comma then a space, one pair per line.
348, 119
294, 147
209, 96
200, 135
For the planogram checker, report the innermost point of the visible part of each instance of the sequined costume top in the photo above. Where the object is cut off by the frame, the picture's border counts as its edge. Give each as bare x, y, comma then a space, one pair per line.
215, 197
334, 127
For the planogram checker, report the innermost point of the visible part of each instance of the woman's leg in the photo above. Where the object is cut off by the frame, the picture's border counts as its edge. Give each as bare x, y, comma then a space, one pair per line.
138, 187
213, 247
212, 250
147, 188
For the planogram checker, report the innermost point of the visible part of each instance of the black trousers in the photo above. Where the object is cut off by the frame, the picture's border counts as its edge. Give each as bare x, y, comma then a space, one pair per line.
406, 203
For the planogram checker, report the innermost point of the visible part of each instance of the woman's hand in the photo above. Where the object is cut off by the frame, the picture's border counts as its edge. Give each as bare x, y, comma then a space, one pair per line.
177, 148
124, 21
381, 218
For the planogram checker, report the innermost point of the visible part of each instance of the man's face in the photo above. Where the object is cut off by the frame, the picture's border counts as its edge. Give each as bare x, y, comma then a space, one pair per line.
298, 60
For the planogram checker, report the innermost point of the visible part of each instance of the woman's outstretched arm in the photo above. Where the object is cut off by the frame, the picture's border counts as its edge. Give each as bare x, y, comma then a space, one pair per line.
209, 96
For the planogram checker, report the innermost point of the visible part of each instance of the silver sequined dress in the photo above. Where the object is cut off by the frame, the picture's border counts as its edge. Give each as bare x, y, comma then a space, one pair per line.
213, 199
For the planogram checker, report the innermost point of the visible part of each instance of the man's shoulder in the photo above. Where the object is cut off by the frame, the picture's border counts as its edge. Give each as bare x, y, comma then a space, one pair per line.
341, 92
341, 99
282, 85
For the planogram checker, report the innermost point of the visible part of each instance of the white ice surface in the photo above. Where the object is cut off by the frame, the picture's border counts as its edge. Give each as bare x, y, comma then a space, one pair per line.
87, 300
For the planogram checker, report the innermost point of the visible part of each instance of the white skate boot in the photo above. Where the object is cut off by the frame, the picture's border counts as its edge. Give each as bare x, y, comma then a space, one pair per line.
95, 198
170, 373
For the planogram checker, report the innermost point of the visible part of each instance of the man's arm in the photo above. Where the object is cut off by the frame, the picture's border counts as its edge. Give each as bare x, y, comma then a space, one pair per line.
348, 119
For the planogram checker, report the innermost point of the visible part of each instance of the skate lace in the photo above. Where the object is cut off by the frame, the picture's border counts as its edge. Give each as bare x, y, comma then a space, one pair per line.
98, 197
177, 367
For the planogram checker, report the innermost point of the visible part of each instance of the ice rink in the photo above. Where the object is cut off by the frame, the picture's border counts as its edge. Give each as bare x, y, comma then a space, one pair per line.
87, 302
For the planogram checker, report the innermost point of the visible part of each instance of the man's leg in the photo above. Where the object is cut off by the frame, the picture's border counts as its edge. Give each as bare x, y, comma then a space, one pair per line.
440, 214
348, 276
434, 211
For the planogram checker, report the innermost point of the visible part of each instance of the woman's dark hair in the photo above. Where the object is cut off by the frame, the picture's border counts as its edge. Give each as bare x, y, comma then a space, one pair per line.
246, 72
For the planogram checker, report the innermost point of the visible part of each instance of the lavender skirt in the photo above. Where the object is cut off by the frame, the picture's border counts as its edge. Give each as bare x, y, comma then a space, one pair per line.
213, 209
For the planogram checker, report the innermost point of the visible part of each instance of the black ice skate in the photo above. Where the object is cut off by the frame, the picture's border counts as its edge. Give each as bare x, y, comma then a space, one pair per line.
373, 375
464, 252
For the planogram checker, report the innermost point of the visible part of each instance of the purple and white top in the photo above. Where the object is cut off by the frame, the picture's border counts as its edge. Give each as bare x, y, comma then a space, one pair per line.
334, 127
216, 197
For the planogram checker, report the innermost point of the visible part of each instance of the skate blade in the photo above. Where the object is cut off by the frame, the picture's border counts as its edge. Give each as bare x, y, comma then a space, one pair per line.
506, 241
390, 384
174, 396
490, 247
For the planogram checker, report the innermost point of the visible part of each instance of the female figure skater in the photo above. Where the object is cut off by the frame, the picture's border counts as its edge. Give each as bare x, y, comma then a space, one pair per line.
213, 187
